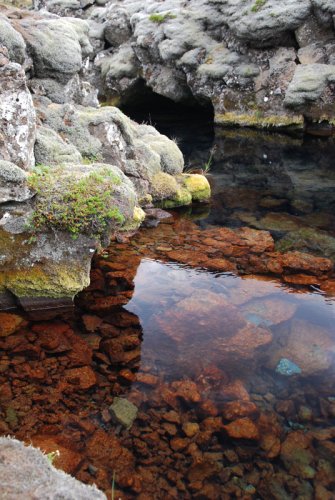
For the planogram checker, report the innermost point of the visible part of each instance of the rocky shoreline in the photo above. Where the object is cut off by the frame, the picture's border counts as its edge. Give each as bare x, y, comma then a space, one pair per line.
254, 62
72, 173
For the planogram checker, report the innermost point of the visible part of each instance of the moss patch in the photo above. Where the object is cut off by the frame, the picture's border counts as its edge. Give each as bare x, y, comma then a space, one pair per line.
161, 18
258, 120
181, 198
163, 186
258, 5
82, 205
198, 186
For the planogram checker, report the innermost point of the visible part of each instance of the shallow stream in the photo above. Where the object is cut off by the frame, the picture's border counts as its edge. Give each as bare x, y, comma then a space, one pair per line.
231, 369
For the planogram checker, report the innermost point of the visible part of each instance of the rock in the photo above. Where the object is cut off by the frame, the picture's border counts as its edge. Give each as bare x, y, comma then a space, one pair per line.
56, 267
25, 471
268, 311
91, 323
198, 186
240, 57
203, 470
123, 412
308, 85
287, 367
13, 41
65, 459
308, 240
192, 310
9, 323
13, 183
235, 390
83, 378
310, 347
147, 379
296, 261
239, 409
17, 117
178, 444
190, 429
242, 428
51, 149
187, 390
297, 455
42, 38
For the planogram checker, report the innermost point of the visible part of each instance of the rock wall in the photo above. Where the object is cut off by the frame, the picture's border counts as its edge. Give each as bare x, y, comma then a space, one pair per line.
260, 63
75, 174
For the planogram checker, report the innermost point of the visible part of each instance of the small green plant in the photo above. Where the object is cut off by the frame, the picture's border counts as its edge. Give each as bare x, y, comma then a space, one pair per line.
161, 18
259, 114
258, 5
209, 162
113, 486
206, 167
92, 158
52, 456
31, 239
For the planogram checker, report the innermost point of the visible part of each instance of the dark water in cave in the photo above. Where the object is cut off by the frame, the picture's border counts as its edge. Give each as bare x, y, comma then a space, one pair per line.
232, 370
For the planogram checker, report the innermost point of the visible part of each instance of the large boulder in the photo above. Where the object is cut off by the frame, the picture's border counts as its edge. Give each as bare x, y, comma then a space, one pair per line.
43, 38
17, 115
106, 134
13, 40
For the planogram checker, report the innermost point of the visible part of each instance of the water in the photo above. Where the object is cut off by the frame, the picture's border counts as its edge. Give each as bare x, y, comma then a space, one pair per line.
231, 368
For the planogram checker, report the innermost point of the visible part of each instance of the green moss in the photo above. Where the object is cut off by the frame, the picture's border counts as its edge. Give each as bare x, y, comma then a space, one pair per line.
161, 18
136, 221
198, 186
78, 206
91, 158
60, 280
163, 186
258, 5
181, 198
11, 417
257, 119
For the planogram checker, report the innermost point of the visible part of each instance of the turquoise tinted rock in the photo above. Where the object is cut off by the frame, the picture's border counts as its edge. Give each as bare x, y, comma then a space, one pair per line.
287, 367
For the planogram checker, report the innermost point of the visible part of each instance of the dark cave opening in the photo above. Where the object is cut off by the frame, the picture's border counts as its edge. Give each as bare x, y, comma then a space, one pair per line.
188, 123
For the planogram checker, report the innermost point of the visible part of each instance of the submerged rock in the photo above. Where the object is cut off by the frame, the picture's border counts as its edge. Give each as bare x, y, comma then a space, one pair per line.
309, 347
123, 412
242, 428
287, 367
9, 323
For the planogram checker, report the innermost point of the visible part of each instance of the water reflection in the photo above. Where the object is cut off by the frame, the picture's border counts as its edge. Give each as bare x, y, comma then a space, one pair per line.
196, 348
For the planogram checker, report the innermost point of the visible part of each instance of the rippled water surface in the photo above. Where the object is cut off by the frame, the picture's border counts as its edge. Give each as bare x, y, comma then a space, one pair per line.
231, 369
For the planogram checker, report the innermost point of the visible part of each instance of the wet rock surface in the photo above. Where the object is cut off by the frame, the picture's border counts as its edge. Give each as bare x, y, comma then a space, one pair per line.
213, 416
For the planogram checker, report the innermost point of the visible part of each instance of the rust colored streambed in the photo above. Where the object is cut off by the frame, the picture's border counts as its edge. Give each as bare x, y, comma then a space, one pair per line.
225, 346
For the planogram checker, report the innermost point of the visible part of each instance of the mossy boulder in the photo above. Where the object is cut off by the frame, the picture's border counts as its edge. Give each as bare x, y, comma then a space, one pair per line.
82, 199
48, 268
163, 186
179, 191
198, 186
